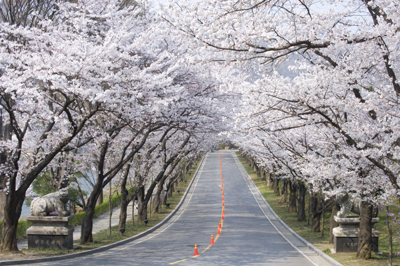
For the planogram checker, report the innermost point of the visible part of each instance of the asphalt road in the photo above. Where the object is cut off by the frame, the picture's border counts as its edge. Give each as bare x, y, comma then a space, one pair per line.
250, 234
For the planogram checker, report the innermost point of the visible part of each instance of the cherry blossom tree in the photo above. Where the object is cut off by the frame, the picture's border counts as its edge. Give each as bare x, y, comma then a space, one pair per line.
56, 77
337, 119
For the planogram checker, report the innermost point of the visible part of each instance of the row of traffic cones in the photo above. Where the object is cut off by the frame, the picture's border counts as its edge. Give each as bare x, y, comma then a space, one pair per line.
212, 242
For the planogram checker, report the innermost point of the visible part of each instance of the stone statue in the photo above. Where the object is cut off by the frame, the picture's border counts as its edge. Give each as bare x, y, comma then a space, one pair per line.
349, 203
46, 204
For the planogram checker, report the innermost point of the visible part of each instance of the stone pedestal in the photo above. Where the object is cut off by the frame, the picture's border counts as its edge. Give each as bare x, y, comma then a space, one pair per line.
50, 232
346, 235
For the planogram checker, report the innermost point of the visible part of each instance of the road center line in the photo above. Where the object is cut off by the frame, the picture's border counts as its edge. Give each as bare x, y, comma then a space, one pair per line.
221, 221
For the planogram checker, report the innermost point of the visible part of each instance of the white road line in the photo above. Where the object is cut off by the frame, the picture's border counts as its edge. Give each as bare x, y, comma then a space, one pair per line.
246, 176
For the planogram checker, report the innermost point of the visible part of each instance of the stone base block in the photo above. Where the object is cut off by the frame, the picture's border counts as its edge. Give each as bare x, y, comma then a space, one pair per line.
50, 241
350, 244
50, 232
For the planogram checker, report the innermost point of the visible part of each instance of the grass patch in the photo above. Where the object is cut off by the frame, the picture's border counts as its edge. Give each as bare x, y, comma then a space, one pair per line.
315, 238
103, 238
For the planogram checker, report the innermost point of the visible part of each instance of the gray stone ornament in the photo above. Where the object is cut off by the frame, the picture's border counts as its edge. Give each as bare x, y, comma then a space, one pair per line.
349, 203
46, 204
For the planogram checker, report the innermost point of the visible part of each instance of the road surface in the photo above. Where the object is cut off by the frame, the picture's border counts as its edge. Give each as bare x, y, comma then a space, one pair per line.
250, 234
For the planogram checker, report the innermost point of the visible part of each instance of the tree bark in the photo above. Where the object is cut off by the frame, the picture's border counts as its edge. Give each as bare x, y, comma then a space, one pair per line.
124, 199
87, 224
365, 234
270, 181
157, 197
316, 213
133, 209
257, 170
170, 189
100, 198
267, 178
262, 172
142, 205
389, 230
301, 202
110, 207
12, 212
284, 190
276, 186
332, 222
292, 196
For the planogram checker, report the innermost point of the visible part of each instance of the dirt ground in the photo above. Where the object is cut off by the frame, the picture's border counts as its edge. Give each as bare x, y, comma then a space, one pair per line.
20, 256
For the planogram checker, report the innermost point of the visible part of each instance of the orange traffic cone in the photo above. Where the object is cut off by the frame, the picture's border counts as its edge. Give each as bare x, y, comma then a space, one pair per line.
223, 204
196, 253
219, 226
219, 231
222, 217
212, 240
223, 210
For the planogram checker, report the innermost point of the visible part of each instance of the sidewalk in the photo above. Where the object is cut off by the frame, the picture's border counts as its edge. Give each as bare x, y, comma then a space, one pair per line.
99, 223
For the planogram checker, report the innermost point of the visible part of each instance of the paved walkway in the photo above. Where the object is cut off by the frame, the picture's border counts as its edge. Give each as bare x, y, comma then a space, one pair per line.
99, 223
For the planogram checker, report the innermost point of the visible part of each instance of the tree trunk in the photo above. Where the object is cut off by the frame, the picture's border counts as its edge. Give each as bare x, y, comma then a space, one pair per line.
124, 206
180, 177
170, 189
87, 224
316, 213
257, 170
157, 197
12, 212
124, 200
270, 181
267, 178
365, 234
133, 211
332, 222
284, 190
292, 196
301, 202
323, 219
389, 230
109, 210
262, 172
142, 205
276, 186
100, 200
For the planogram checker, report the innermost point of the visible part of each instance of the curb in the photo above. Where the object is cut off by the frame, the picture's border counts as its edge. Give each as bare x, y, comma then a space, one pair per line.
306, 243
95, 250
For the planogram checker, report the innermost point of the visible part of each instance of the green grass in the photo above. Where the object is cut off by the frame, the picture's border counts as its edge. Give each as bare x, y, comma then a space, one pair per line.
103, 238
304, 230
